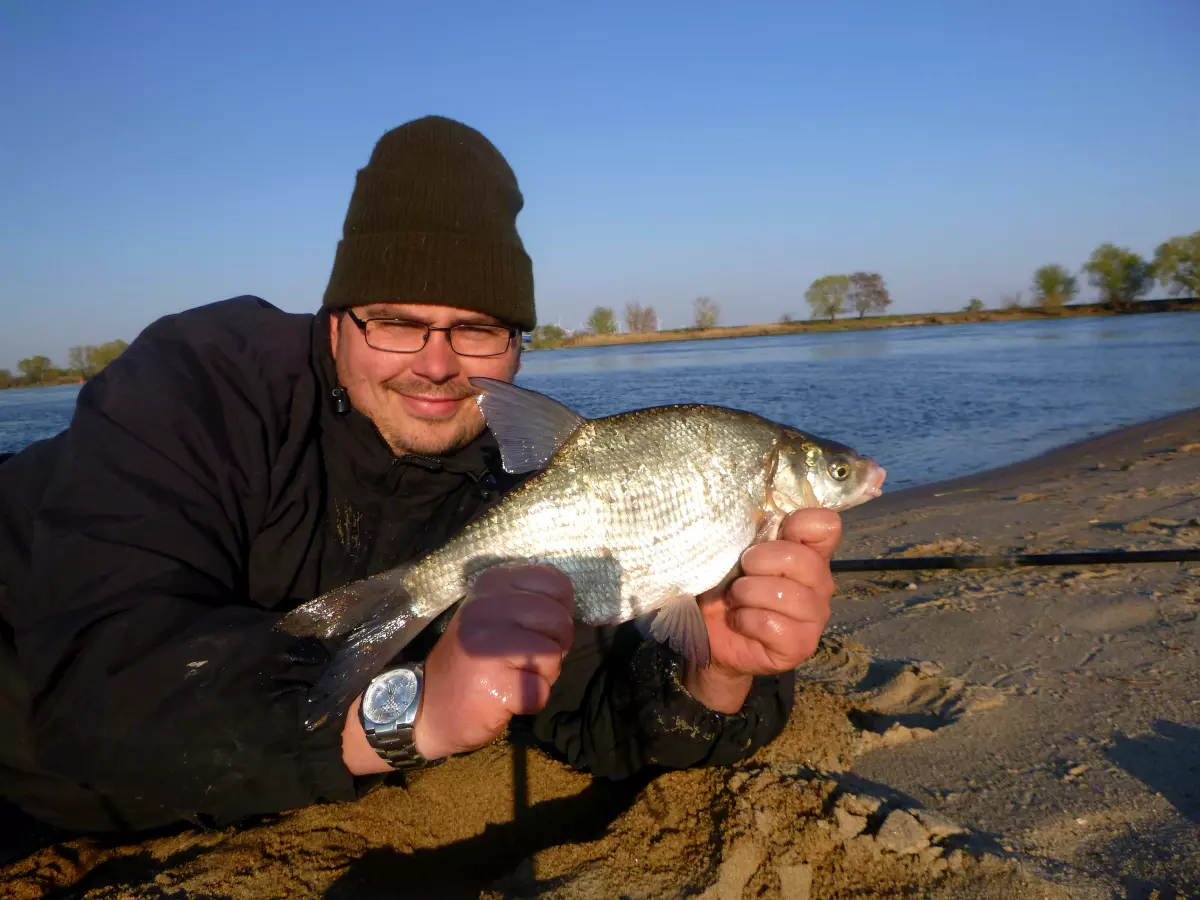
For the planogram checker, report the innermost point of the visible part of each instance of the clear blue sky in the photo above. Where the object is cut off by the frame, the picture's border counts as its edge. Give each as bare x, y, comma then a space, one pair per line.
157, 156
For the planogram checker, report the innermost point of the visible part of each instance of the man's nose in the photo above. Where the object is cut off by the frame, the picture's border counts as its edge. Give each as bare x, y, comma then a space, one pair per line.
436, 361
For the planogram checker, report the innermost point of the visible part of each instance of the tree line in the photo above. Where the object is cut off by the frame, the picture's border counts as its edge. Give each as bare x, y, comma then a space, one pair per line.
1120, 276
706, 312
82, 363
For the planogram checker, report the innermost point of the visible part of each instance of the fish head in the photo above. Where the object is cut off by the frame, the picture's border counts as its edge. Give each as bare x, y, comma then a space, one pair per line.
812, 471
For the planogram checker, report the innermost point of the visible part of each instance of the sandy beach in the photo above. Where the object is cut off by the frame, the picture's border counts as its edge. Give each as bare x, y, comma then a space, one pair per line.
979, 734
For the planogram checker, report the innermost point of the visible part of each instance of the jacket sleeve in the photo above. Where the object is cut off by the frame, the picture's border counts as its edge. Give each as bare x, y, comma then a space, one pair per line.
619, 707
155, 682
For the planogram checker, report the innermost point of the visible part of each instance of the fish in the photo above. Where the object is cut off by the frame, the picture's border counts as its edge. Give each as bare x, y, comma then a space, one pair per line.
644, 511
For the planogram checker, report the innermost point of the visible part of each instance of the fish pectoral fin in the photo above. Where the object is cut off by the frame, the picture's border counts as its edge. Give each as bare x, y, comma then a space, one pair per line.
679, 624
529, 427
767, 527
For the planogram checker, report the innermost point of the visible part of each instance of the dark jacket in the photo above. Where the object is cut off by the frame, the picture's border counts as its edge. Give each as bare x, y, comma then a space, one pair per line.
206, 486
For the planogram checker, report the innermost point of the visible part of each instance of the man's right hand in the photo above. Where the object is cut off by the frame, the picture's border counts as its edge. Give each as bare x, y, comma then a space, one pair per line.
498, 658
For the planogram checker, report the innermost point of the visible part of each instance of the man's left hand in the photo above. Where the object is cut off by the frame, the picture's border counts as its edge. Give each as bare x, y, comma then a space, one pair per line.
770, 618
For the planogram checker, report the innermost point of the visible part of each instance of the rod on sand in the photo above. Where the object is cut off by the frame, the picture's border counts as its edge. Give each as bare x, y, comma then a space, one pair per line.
1016, 561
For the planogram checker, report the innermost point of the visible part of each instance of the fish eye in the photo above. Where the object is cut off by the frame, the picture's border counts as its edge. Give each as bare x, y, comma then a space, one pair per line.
839, 469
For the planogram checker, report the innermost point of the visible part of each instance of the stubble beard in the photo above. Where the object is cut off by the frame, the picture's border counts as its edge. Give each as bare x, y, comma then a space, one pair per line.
409, 434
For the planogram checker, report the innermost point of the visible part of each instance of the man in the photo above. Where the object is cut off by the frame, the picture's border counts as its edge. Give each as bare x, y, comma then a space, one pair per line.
236, 461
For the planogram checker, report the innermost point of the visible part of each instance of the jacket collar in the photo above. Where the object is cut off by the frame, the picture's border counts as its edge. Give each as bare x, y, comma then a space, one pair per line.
355, 436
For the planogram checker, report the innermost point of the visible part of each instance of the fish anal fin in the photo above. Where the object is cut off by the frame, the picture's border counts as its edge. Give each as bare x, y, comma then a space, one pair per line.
680, 625
529, 427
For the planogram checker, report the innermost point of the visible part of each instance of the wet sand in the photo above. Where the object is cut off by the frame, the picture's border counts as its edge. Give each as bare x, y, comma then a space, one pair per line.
1090, 770
1006, 734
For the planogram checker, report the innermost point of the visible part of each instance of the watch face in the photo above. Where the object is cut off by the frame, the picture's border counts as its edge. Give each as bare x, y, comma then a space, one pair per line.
389, 698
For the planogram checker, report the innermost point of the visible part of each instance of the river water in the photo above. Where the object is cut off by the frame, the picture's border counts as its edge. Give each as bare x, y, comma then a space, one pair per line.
929, 403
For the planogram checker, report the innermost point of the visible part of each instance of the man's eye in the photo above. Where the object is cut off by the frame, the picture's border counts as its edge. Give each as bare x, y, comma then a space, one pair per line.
399, 327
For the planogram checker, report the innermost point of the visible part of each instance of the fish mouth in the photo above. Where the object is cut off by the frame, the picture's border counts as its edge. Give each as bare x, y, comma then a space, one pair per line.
874, 480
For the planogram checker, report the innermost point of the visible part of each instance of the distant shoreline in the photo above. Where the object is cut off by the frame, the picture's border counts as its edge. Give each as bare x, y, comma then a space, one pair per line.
50, 382
910, 320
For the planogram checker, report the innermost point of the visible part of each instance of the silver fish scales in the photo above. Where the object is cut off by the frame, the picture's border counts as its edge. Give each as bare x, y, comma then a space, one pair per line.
643, 511
626, 535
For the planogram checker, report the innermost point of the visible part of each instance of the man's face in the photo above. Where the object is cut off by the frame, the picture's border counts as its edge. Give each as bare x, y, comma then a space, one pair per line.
421, 402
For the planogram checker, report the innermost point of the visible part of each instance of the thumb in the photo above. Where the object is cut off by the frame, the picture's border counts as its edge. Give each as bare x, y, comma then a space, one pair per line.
820, 529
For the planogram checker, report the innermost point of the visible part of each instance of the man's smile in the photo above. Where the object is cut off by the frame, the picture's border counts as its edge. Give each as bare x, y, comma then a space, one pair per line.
431, 407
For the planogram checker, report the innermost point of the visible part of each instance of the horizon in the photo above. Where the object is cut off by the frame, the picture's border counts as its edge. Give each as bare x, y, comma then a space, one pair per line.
166, 158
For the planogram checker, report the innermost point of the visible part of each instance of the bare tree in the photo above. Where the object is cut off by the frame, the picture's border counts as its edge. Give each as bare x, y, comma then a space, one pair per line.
868, 293
708, 311
640, 318
77, 360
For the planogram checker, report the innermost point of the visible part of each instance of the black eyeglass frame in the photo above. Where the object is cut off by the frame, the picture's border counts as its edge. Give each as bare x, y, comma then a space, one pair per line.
449, 329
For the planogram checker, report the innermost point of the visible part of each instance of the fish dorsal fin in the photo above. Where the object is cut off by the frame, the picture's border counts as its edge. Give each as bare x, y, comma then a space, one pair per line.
529, 427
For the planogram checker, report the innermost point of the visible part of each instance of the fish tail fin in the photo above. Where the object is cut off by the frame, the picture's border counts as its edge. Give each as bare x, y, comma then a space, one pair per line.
364, 654
374, 621
338, 612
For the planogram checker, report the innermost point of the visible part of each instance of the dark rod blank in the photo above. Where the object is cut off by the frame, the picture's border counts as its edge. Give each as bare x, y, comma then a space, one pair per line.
1016, 561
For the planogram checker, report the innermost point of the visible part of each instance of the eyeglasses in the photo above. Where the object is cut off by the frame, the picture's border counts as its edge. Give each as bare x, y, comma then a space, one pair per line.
403, 336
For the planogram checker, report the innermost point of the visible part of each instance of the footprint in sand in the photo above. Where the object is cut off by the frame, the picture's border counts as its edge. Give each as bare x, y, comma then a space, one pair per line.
895, 700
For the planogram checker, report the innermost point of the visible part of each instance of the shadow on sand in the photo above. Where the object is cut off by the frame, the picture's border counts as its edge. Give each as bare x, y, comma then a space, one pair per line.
1167, 762
1162, 862
465, 868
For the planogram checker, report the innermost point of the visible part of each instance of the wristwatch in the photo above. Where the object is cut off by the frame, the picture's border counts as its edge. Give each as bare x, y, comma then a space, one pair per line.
389, 708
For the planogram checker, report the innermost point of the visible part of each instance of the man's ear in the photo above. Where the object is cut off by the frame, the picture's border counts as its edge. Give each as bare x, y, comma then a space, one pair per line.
335, 322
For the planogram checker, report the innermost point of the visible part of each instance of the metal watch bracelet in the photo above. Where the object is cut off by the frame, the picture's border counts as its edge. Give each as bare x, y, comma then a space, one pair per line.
396, 746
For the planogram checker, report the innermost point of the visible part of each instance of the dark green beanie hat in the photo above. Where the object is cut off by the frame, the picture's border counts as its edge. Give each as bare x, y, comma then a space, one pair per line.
433, 220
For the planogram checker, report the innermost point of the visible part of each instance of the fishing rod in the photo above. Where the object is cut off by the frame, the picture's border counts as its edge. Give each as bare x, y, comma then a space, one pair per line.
1016, 561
